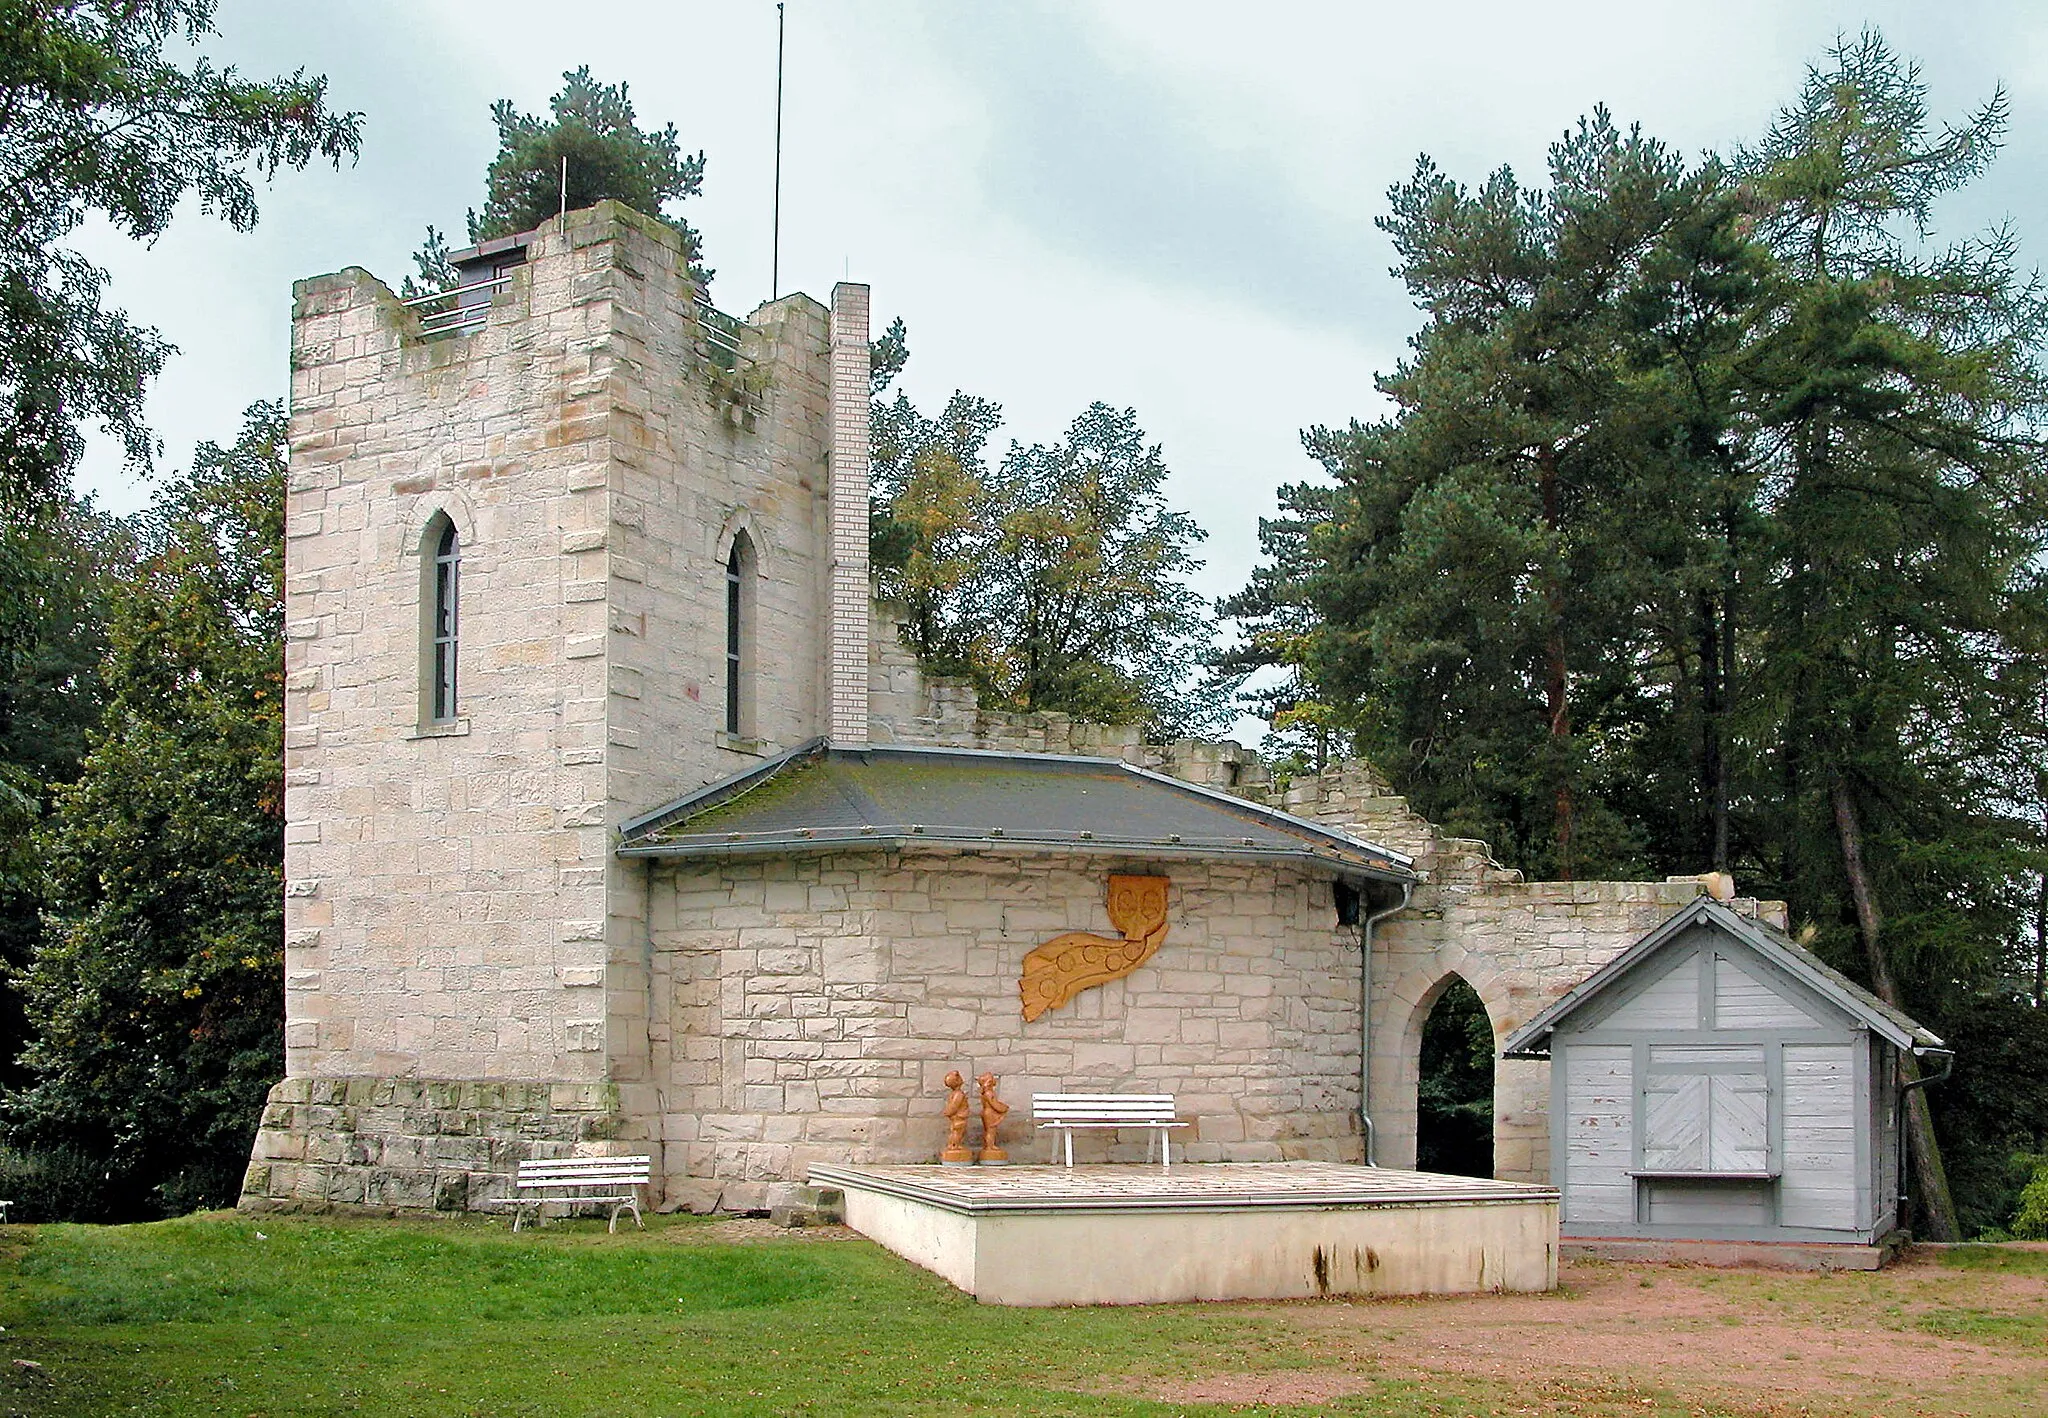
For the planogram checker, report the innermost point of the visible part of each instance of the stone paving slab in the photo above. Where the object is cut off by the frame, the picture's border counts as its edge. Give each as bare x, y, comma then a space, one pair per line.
1188, 1187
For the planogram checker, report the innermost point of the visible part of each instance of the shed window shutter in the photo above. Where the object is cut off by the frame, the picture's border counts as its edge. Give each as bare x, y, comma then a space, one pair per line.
1738, 1126
1675, 1115
1706, 1110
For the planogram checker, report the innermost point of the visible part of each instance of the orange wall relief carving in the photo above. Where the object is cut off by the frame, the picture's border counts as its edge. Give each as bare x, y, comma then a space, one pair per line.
1066, 965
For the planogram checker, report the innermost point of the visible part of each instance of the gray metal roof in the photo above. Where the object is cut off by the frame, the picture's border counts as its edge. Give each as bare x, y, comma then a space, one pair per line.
818, 798
1532, 1040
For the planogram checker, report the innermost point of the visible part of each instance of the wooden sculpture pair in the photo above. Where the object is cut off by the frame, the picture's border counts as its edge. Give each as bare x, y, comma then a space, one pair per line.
957, 1153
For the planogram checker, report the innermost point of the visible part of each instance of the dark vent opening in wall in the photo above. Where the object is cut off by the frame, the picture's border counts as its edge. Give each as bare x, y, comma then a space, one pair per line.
1347, 898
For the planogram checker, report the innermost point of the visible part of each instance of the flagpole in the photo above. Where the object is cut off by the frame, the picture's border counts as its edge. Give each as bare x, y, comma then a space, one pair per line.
775, 255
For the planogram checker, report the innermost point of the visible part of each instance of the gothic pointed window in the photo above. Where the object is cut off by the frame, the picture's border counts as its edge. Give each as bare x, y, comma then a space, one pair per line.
739, 567
441, 621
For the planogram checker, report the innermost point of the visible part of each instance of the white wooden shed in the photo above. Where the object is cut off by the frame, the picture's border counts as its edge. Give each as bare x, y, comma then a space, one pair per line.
1716, 1082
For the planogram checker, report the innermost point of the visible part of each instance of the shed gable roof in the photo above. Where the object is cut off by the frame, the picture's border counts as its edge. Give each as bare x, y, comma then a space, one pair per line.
820, 798
1532, 1040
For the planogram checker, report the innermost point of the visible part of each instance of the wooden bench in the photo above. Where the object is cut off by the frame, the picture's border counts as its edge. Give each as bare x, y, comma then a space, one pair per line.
581, 1181
1068, 1111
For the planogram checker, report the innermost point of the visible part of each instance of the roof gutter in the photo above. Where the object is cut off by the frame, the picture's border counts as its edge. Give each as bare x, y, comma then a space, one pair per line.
1365, 926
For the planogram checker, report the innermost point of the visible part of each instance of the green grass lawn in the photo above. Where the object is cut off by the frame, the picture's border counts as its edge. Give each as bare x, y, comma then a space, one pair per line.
222, 1314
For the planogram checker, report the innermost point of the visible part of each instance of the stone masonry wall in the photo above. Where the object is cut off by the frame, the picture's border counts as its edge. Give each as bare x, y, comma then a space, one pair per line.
415, 1144
453, 909
907, 706
808, 1009
1519, 944
445, 883
690, 474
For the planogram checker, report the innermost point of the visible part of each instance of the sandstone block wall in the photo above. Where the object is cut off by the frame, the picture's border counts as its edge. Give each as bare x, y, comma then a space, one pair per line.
412, 1144
809, 1009
1519, 944
453, 909
907, 706
445, 883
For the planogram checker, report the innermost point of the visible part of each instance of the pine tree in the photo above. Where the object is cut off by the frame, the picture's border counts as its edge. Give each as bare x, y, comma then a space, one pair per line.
1896, 400
1485, 584
588, 149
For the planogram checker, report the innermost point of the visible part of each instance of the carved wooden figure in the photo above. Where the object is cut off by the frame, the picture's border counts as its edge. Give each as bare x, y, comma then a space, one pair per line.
956, 1153
1066, 965
992, 1111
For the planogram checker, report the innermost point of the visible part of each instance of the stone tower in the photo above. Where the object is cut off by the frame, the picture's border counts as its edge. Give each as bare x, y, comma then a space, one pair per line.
519, 530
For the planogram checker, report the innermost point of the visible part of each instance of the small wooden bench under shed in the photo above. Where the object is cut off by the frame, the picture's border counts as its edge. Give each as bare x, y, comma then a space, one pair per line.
1716, 1082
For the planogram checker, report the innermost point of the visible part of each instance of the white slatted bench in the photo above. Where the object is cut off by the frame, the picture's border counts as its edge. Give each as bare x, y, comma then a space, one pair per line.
580, 1181
1068, 1111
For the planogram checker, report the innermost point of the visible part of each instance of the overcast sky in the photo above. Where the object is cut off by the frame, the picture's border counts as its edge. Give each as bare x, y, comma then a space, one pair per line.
1168, 206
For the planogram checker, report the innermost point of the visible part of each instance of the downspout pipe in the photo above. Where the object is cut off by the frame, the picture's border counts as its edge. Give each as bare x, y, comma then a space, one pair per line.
1948, 1064
1366, 923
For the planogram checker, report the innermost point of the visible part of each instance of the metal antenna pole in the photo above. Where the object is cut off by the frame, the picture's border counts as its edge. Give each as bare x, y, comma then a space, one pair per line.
565, 184
775, 240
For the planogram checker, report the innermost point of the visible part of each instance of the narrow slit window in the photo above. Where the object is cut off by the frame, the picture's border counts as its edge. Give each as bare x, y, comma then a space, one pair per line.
735, 597
446, 624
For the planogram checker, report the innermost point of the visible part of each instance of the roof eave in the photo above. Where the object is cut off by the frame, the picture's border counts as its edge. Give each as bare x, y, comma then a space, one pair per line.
1011, 846
711, 794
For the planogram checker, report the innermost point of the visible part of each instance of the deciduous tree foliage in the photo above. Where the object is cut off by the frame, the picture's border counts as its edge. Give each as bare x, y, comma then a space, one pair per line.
70, 561
1053, 578
106, 108
1709, 529
156, 994
97, 117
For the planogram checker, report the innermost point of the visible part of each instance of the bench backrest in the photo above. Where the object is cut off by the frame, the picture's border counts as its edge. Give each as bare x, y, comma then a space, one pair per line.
1133, 1108
586, 1171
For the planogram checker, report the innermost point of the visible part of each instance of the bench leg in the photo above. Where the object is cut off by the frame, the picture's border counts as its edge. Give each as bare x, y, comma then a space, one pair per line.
1165, 1154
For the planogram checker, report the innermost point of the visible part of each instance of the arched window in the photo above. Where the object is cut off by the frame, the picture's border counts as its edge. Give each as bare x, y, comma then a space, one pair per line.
440, 620
739, 614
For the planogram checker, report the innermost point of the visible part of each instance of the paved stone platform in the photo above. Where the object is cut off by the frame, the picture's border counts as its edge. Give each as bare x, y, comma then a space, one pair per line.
1031, 1235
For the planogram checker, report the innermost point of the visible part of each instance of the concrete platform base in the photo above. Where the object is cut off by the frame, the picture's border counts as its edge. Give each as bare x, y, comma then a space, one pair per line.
1782, 1255
1221, 1231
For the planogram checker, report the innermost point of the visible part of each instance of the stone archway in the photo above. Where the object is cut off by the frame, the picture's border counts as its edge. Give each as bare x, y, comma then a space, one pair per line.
1521, 1088
1454, 1103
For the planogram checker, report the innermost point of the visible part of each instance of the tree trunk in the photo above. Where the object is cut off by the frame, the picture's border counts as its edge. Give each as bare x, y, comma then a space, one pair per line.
1713, 714
1723, 772
2041, 945
1929, 1175
1556, 680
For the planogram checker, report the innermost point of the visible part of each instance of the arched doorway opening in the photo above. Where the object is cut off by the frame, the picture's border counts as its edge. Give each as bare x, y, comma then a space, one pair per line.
1454, 1097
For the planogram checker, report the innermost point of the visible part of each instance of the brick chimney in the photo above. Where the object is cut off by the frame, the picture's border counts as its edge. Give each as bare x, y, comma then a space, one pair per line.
846, 717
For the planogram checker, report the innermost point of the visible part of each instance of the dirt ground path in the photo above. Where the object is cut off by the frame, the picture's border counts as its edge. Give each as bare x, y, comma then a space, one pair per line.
1922, 1337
